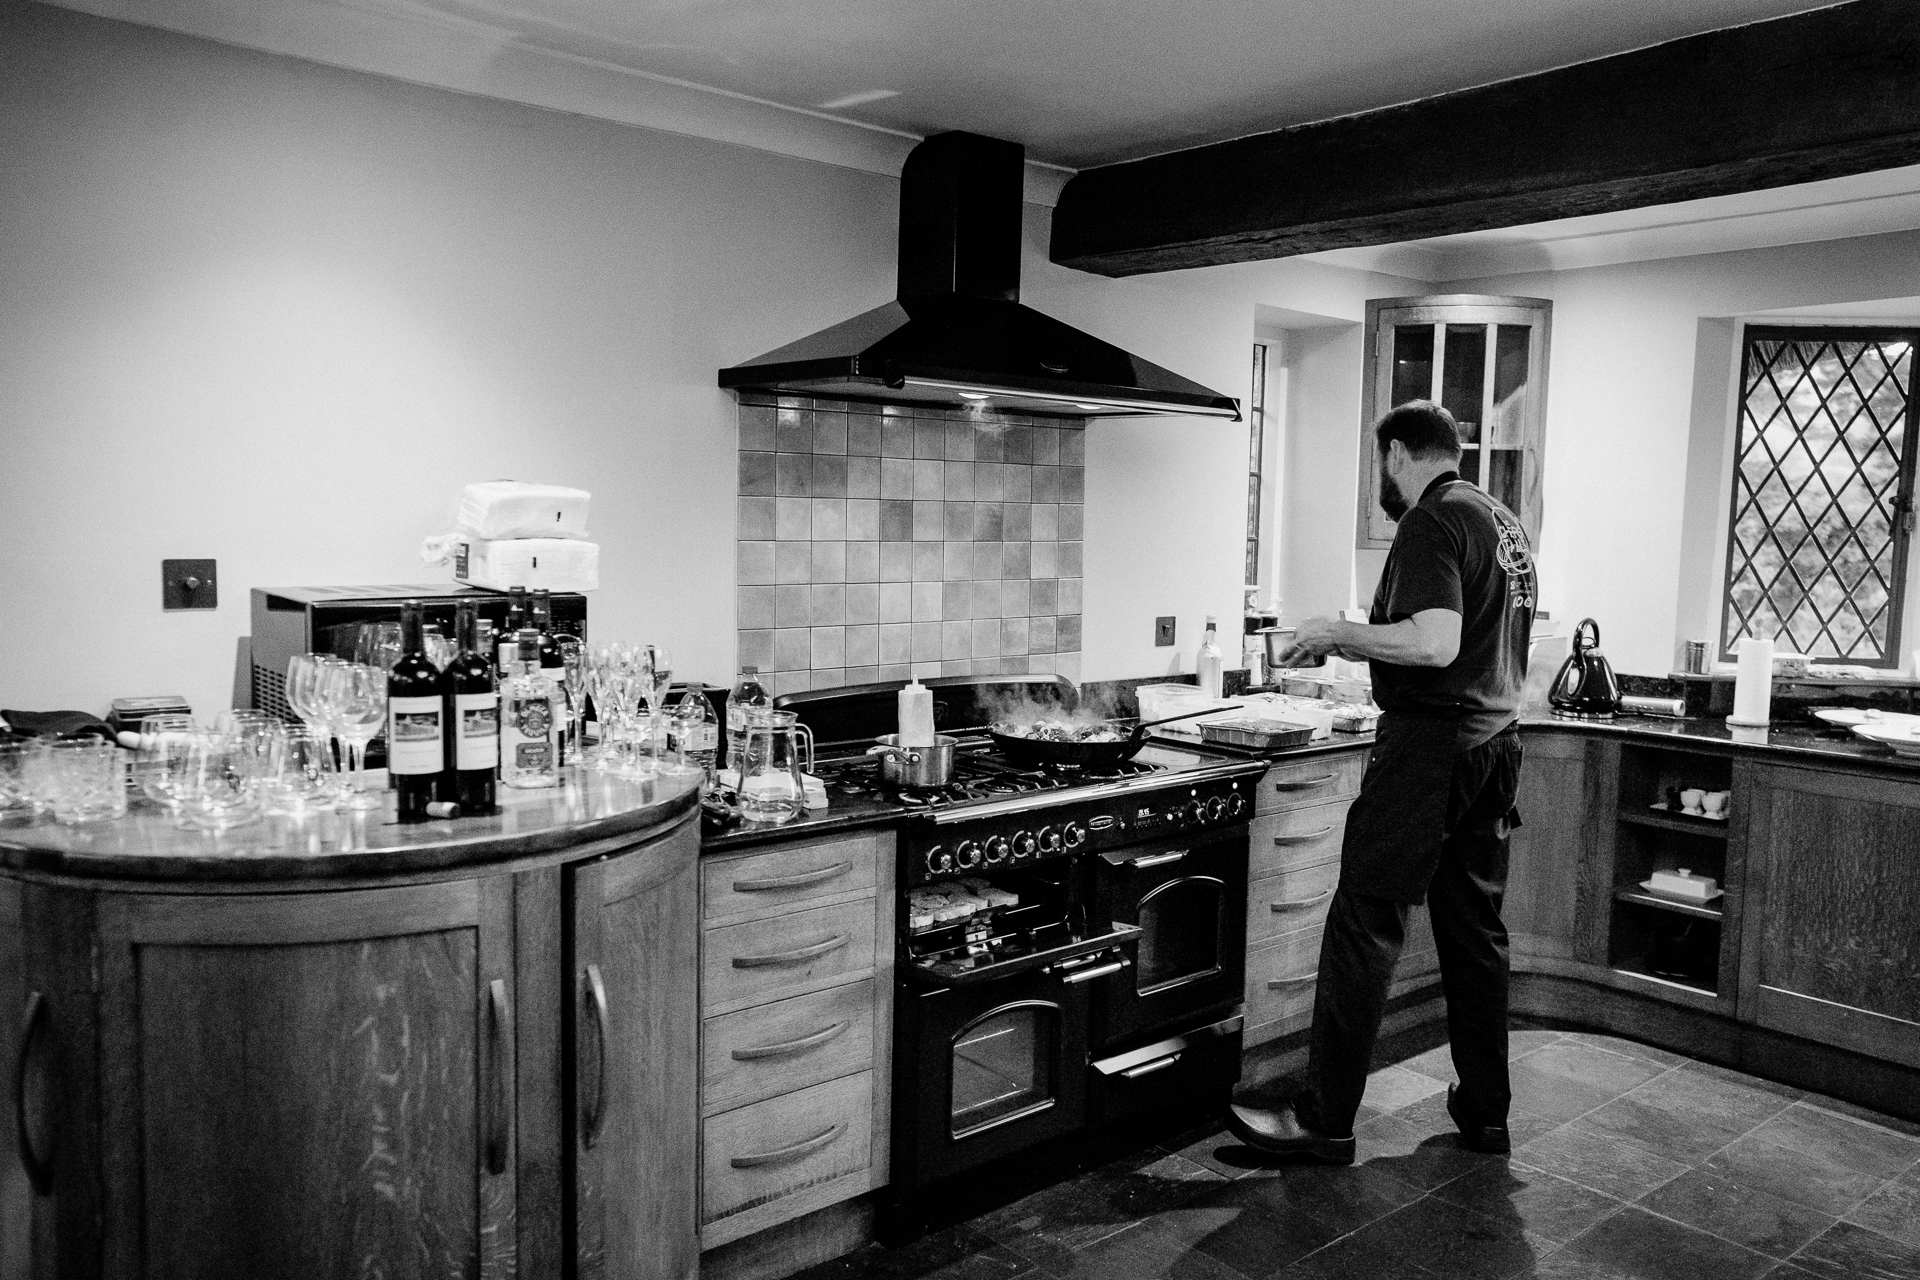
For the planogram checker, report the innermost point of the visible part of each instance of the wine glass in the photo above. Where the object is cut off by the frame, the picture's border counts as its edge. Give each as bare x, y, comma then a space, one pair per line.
573, 682
379, 645
440, 649
355, 698
160, 761
659, 679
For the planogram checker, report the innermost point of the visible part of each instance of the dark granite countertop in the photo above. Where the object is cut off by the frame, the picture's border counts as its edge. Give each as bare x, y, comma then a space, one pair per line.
148, 845
1787, 742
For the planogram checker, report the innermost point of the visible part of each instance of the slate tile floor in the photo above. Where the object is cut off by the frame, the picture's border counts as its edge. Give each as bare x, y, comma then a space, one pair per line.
1630, 1163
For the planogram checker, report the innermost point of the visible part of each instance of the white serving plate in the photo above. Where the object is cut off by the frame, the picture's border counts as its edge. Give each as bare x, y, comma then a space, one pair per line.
1903, 738
1851, 716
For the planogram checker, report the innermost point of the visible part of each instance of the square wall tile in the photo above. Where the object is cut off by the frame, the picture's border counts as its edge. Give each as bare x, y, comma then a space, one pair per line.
956, 600
863, 520
829, 648
1019, 444
990, 521
756, 649
863, 434
1040, 635
793, 519
1073, 484
891, 671
959, 480
989, 442
927, 601
896, 437
863, 477
986, 600
929, 521
793, 606
1066, 633
756, 427
896, 642
1018, 523
1073, 523
1013, 635
1070, 595
896, 477
1016, 559
793, 474
929, 479
756, 518
793, 431
1045, 560
829, 432
926, 642
792, 648
929, 561
793, 562
987, 557
956, 640
921, 670
958, 561
757, 474
959, 521
753, 608
1046, 445
1046, 484
755, 562
896, 520
929, 439
1046, 521
956, 667
862, 675
829, 562
1073, 447
1070, 559
829, 475
1015, 599
896, 561
1016, 483
786, 682
863, 562
863, 646
988, 481
960, 442
896, 603
986, 638
832, 679
1045, 597
827, 606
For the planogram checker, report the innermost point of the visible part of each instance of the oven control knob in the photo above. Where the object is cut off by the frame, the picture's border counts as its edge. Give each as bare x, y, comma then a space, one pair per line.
1216, 808
1024, 846
998, 850
939, 861
1072, 835
1048, 839
1236, 805
1196, 812
967, 856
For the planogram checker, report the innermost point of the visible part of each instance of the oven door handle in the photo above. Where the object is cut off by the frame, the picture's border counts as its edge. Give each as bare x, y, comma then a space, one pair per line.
1300, 904
1148, 1068
1074, 972
1284, 984
1159, 859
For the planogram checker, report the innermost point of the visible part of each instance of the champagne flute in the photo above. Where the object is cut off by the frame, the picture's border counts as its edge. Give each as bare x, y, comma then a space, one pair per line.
573, 672
659, 679
355, 696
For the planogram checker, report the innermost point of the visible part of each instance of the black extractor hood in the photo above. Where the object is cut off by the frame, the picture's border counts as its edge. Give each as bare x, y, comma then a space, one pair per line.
958, 335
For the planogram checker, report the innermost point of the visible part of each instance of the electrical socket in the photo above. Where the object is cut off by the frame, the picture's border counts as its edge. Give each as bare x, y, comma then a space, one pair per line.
1162, 632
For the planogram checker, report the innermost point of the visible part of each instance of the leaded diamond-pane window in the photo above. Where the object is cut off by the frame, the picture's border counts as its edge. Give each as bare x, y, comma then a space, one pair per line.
1822, 493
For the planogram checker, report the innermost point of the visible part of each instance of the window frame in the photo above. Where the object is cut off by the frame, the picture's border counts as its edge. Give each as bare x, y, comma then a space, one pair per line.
1903, 505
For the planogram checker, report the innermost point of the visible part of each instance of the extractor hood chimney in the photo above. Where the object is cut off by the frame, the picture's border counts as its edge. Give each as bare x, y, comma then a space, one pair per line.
957, 334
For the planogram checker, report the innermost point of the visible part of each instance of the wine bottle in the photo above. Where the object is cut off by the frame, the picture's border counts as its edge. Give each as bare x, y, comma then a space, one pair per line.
473, 720
527, 700
553, 667
416, 705
1206, 664
508, 652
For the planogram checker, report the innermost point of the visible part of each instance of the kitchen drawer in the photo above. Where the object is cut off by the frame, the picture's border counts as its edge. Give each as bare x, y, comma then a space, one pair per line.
1280, 976
1294, 899
1315, 781
786, 1045
759, 960
1296, 838
756, 1153
780, 879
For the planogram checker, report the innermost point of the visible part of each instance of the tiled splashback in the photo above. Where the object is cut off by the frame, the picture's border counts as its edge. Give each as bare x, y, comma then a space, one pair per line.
878, 543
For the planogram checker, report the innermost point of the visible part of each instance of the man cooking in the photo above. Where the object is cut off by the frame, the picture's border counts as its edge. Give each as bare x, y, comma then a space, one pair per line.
1447, 641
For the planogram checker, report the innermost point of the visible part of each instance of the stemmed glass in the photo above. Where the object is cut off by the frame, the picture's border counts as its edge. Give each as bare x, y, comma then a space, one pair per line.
441, 650
379, 645
658, 676
573, 682
354, 697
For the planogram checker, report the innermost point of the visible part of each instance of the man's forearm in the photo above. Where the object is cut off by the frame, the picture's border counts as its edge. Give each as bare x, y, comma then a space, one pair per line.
1401, 643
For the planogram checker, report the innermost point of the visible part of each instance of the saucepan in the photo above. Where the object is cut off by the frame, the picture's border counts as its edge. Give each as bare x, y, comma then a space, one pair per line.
1033, 752
915, 766
1279, 640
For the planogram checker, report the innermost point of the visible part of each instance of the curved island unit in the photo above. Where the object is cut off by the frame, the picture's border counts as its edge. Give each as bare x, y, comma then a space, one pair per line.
340, 1046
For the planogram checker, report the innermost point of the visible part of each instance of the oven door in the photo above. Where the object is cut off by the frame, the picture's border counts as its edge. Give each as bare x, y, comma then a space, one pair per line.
989, 1070
1188, 896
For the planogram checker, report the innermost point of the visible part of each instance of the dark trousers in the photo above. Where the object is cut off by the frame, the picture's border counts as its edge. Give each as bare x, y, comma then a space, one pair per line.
1365, 934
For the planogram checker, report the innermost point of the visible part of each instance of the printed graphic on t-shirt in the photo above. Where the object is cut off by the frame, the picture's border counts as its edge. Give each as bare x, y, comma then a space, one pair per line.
1515, 557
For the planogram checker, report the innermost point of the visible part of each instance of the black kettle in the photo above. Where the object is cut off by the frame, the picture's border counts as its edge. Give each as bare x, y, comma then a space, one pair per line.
1585, 688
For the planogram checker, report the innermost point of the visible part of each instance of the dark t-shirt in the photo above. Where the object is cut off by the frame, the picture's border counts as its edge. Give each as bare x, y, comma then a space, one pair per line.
1459, 549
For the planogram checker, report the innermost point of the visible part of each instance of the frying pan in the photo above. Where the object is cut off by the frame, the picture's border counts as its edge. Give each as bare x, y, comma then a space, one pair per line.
1035, 752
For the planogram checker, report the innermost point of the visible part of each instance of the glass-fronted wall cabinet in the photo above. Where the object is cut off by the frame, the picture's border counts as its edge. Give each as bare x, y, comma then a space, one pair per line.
1485, 359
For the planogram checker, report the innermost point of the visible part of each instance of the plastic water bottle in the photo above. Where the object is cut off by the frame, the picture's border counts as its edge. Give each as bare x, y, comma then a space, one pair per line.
694, 732
747, 697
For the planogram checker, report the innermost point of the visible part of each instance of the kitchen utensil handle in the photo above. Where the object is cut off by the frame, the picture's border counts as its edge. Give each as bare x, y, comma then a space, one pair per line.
1302, 837
1188, 715
1300, 904
596, 1116
1306, 784
799, 955
39, 1169
499, 1098
780, 1155
1077, 976
1159, 859
799, 880
787, 1048
1148, 1068
1283, 984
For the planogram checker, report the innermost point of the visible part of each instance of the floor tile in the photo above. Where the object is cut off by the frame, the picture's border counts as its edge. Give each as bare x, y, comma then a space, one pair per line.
1636, 1244
1715, 1071
1628, 1048
1734, 1103
1794, 1175
1678, 1136
1142, 1189
1046, 1226
1760, 1221
1567, 1079
1341, 1197
1839, 1105
1354, 1258
1842, 1140
1619, 1169
1448, 1240
1894, 1210
1430, 1116
1239, 1227
1543, 1203
1392, 1088
1521, 1042
1425, 1160
1847, 1252
1141, 1252
958, 1253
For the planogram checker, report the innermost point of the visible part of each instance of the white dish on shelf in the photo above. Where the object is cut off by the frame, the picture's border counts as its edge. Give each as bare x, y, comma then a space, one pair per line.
1690, 902
1690, 813
1903, 738
1850, 716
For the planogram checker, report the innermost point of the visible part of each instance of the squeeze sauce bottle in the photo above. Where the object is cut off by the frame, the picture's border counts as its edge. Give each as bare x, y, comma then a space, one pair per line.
916, 715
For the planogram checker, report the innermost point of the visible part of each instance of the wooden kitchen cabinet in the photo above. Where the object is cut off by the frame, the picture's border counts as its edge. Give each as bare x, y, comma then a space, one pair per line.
1485, 359
1831, 945
1558, 876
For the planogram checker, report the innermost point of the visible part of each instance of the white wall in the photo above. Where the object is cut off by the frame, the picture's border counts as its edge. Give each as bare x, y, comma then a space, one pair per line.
1637, 414
276, 314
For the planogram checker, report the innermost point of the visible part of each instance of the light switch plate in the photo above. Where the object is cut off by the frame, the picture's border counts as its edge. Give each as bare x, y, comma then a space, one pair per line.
1162, 632
188, 584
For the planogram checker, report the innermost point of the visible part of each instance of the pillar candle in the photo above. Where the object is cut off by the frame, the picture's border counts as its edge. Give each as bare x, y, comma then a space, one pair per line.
1753, 686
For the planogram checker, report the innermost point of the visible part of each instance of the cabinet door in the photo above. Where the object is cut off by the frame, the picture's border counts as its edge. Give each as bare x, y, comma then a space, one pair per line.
1831, 946
308, 1084
634, 1023
1558, 877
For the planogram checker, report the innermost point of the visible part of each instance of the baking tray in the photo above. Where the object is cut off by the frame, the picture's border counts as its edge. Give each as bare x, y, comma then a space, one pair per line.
1256, 735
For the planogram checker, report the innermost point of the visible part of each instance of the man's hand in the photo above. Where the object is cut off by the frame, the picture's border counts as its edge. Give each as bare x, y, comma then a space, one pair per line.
1430, 638
1312, 640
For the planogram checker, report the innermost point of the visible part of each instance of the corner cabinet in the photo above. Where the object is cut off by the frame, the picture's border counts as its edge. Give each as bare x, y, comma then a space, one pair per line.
1485, 359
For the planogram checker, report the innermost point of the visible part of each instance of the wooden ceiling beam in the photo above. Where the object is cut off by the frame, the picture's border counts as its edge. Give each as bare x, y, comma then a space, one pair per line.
1823, 94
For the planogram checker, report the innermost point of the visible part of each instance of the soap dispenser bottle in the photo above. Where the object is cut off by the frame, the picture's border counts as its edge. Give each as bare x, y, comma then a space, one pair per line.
916, 715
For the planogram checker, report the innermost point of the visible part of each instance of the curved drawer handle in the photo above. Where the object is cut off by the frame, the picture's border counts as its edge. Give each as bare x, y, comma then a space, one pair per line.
787, 1048
799, 955
1303, 837
800, 880
1306, 784
1285, 984
39, 1171
500, 1099
597, 1115
805, 1147
1300, 904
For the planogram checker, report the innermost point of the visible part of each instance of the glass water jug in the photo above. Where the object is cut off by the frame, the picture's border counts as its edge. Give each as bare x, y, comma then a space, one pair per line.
779, 750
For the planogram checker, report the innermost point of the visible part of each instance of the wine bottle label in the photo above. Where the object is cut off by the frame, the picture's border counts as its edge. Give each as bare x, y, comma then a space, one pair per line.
413, 736
526, 740
478, 722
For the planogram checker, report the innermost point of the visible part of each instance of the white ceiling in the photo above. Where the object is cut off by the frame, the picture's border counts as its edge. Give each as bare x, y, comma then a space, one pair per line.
1080, 82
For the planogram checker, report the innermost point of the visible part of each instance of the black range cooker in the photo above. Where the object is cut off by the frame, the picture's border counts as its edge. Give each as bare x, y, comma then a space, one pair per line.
1070, 964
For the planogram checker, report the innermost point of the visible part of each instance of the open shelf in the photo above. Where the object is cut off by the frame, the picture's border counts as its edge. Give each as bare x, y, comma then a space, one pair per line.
1667, 982
1641, 898
1711, 828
